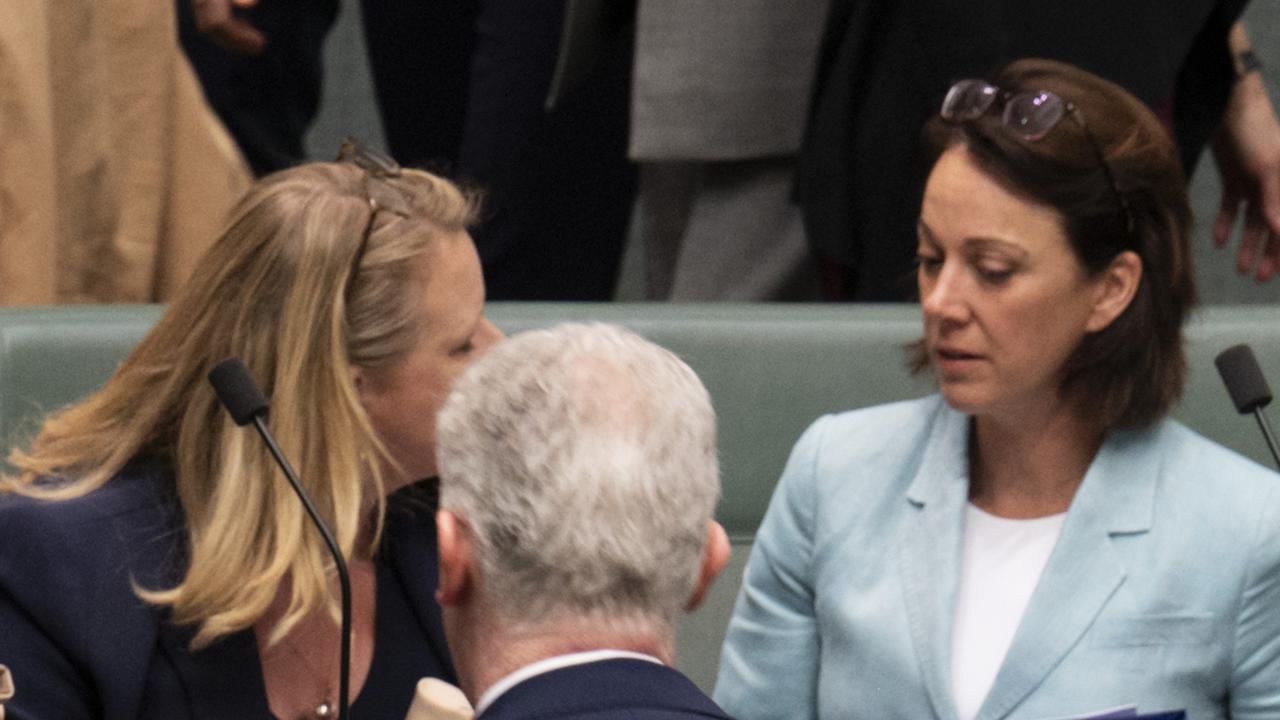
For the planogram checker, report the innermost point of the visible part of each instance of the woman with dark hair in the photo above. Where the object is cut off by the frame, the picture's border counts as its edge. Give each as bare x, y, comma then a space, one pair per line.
1038, 540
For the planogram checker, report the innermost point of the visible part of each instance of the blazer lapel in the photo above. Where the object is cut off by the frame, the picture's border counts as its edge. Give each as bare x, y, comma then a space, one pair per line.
223, 680
1083, 572
929, 549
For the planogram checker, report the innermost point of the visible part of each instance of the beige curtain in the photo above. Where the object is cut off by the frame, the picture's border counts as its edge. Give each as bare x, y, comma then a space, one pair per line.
114, 173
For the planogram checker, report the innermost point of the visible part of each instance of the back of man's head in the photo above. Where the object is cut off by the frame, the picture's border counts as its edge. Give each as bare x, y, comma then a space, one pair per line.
582, 461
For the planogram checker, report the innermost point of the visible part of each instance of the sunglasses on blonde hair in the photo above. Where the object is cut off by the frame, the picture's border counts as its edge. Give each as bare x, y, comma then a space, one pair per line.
380, 170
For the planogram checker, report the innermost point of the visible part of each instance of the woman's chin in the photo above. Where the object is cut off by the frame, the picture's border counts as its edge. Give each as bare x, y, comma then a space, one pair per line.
964, 399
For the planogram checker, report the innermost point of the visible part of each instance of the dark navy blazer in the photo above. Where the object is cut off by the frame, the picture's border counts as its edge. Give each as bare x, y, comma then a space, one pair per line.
620, 689
82, 645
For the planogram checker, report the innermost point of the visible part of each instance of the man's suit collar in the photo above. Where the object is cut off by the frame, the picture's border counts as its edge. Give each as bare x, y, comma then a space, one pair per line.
608, 688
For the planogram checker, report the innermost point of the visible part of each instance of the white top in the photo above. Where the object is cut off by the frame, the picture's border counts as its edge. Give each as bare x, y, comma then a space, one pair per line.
553, 663
999, 569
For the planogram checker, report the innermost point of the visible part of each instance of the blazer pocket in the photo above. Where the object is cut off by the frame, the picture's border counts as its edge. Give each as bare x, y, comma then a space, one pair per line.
1148, 630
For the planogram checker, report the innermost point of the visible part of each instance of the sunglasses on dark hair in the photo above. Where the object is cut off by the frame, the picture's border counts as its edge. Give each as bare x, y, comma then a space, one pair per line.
379, 172
1031, 115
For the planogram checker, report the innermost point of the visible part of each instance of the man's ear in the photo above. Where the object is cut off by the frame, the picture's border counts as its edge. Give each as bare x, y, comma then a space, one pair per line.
714, 558
453, 541
1114, 289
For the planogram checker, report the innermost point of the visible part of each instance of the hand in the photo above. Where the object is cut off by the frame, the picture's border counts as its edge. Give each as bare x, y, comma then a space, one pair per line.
1246, 149
218, 20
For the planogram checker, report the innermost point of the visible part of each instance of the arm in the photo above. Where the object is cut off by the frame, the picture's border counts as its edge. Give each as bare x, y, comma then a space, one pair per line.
218, 20
46, 684
1246, 149
769, 663
1255, 672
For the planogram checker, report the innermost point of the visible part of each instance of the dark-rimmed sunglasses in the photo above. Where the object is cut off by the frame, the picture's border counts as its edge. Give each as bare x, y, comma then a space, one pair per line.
1031, 115
379, 172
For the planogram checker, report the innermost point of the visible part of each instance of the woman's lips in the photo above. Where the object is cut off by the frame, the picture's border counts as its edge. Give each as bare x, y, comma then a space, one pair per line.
951, 360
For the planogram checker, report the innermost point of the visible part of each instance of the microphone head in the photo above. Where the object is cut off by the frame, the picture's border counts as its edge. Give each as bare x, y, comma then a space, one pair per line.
1243, 378
237, 391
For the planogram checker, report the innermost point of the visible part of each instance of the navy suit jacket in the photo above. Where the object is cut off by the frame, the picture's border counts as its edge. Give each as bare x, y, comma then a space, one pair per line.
619, 688
81, 644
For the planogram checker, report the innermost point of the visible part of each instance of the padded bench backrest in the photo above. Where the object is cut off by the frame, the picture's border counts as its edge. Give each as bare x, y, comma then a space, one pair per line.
771, 370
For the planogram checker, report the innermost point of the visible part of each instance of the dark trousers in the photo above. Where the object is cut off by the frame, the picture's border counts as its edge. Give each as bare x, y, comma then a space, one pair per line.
460, 87
419, 52
559, 185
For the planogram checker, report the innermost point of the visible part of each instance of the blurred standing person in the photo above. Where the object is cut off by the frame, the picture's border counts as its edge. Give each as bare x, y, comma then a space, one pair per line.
114, 175
461, 89
720, 99
885, 66
557, 182
260, 63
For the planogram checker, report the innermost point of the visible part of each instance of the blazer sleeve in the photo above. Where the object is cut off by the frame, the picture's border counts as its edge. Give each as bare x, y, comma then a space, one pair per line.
48, 684
76, 637
769, 662
1255, 681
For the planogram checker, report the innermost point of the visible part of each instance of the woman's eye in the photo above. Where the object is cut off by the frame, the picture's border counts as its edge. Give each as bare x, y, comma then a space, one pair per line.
994, 275
928, 263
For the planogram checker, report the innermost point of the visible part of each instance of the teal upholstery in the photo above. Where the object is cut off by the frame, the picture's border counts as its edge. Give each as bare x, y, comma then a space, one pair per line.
52, 356
771, 369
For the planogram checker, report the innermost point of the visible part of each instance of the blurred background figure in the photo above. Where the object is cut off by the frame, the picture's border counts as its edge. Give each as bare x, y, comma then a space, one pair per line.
114, 175
557, 182
578, 483
461, 89
261, 65
720, 97
885, 66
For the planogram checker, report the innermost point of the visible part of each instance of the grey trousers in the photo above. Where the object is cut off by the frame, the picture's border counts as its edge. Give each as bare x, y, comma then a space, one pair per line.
722, 231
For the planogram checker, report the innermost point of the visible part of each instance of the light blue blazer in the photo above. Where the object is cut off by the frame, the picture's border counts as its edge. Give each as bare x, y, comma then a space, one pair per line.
1162, 591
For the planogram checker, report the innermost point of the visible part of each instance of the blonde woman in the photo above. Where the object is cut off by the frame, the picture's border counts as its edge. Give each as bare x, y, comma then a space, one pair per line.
155, 565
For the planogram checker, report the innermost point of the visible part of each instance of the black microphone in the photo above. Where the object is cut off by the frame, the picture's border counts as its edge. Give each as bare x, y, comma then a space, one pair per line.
1248, 389
246, 404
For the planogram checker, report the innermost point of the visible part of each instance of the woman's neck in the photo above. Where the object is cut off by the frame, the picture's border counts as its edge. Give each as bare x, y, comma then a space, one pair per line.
1031, 465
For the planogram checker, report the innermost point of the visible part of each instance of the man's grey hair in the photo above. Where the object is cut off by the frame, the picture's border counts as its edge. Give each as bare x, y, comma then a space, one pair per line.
583, 458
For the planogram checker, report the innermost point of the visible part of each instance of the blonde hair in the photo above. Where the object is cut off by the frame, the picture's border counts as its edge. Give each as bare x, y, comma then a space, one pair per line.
273, 291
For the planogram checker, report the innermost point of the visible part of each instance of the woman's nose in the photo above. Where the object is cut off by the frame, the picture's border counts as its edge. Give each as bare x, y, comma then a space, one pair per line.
942, 296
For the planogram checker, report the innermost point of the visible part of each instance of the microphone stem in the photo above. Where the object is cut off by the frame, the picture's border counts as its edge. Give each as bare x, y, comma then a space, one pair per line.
344, 579
1268, 434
